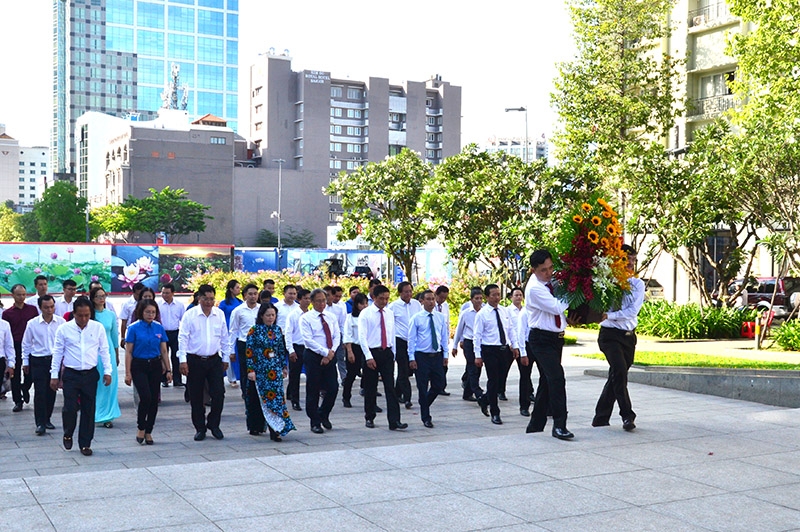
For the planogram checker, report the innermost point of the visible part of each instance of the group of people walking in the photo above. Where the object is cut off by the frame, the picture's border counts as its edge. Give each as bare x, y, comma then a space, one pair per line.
260, 341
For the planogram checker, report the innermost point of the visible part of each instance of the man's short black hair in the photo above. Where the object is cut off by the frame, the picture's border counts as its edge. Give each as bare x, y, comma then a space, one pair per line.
402, 285
46, 297
628, 249
488, 289
378, 290
539, 257
69, 283
442, 289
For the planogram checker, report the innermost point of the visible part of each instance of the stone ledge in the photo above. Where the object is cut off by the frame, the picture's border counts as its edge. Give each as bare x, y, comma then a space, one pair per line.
770, 387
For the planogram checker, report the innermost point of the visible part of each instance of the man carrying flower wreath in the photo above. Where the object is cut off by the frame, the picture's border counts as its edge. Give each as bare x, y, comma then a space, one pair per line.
617, 341
546, 322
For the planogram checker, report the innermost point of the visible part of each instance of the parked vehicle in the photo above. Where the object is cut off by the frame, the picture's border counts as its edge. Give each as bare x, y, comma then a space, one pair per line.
760, 290
364, 272
653, 291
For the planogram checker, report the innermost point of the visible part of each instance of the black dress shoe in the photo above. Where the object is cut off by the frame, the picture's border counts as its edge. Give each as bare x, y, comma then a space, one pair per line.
26, 396
600, 422
327, 424
316, 429
502, 396
361, 392
562, 434
496, 420
217, 433
468, 397
86, 451
445, 393
530, 429
296, 406
369, 424
40, 430
17, 407
378, 394
255, 433
524, 412
398, 426
200, 435
409, 404
428, 424
378, 409
49, 426
484, 404
68, 442
165, 385
628, 424
346, 403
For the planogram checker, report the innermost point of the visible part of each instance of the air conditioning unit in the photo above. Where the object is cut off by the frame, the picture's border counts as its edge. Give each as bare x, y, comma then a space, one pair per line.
699, 20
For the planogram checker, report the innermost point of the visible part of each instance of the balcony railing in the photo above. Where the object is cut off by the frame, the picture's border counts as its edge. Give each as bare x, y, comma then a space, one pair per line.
704, 15
713, 105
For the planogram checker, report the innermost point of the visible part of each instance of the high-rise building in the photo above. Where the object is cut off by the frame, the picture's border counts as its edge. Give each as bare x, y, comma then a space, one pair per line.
537, 147
23, 172
318, 125
116, 57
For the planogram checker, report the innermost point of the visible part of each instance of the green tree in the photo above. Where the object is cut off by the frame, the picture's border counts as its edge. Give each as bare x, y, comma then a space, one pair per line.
619, 95
765, 143
10, 225
493, 208
381, 201
289, 239
169, 210
29, 227
61, 214
693, 208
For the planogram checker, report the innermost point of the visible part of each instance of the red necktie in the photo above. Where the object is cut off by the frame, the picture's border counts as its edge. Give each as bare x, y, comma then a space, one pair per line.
328, 336
384, 341
558, 318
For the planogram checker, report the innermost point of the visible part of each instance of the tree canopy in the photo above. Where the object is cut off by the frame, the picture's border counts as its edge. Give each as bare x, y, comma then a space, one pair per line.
61, 214
382, 202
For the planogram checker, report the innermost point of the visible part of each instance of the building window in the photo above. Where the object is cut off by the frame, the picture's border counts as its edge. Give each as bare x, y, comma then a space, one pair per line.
336, 164
336, 146
354, 94
258, 109
716, 85
430, 154
258, 126
336, 130
22, 172
218, 140
171, 155
43, 164
155, 154
336, 111
354, 113
43, 172
32, 164
22, 163
356, 131
336, 92
431, 120
33, 171
431, 137
428, 102
22, 187
354, 148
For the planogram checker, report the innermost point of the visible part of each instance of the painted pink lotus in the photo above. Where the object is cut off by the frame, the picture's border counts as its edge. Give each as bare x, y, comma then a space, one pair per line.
54, 256
130, 276
8, 272
106, 260
178, 267
145, 264
95, 278
37, 270
76, 271
70, 250
166, 278
15, 256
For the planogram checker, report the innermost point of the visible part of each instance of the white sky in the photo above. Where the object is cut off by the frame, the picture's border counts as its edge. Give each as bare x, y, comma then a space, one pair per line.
502, 54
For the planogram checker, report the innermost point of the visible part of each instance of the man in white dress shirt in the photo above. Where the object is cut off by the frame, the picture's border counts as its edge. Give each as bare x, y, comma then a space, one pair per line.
376, 336
286, 305
494, 337
295, 347
321, 337
171, 313
242, 319
428, 336
440, 295
78, 344
403, 309
515, 310
547, 321
464, 338
341, 314
8, 357
64, 303
203, 354
37, 357
617, 341
40, 283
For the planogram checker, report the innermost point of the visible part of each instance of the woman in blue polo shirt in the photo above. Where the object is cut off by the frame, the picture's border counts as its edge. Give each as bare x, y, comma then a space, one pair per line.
146, 360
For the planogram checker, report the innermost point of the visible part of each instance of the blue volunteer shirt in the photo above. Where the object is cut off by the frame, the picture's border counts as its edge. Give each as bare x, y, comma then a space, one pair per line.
146, 339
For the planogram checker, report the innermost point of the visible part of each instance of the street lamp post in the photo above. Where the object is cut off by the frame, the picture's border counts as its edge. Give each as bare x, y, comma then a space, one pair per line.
278, 212
525, 110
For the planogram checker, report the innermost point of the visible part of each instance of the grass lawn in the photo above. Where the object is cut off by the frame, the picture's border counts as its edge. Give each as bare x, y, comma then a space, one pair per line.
657, 358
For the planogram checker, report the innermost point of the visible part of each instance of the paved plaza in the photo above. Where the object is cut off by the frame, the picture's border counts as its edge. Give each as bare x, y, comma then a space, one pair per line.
695, 462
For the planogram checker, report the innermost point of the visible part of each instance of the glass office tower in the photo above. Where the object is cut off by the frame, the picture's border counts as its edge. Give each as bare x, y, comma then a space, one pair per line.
116, 57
